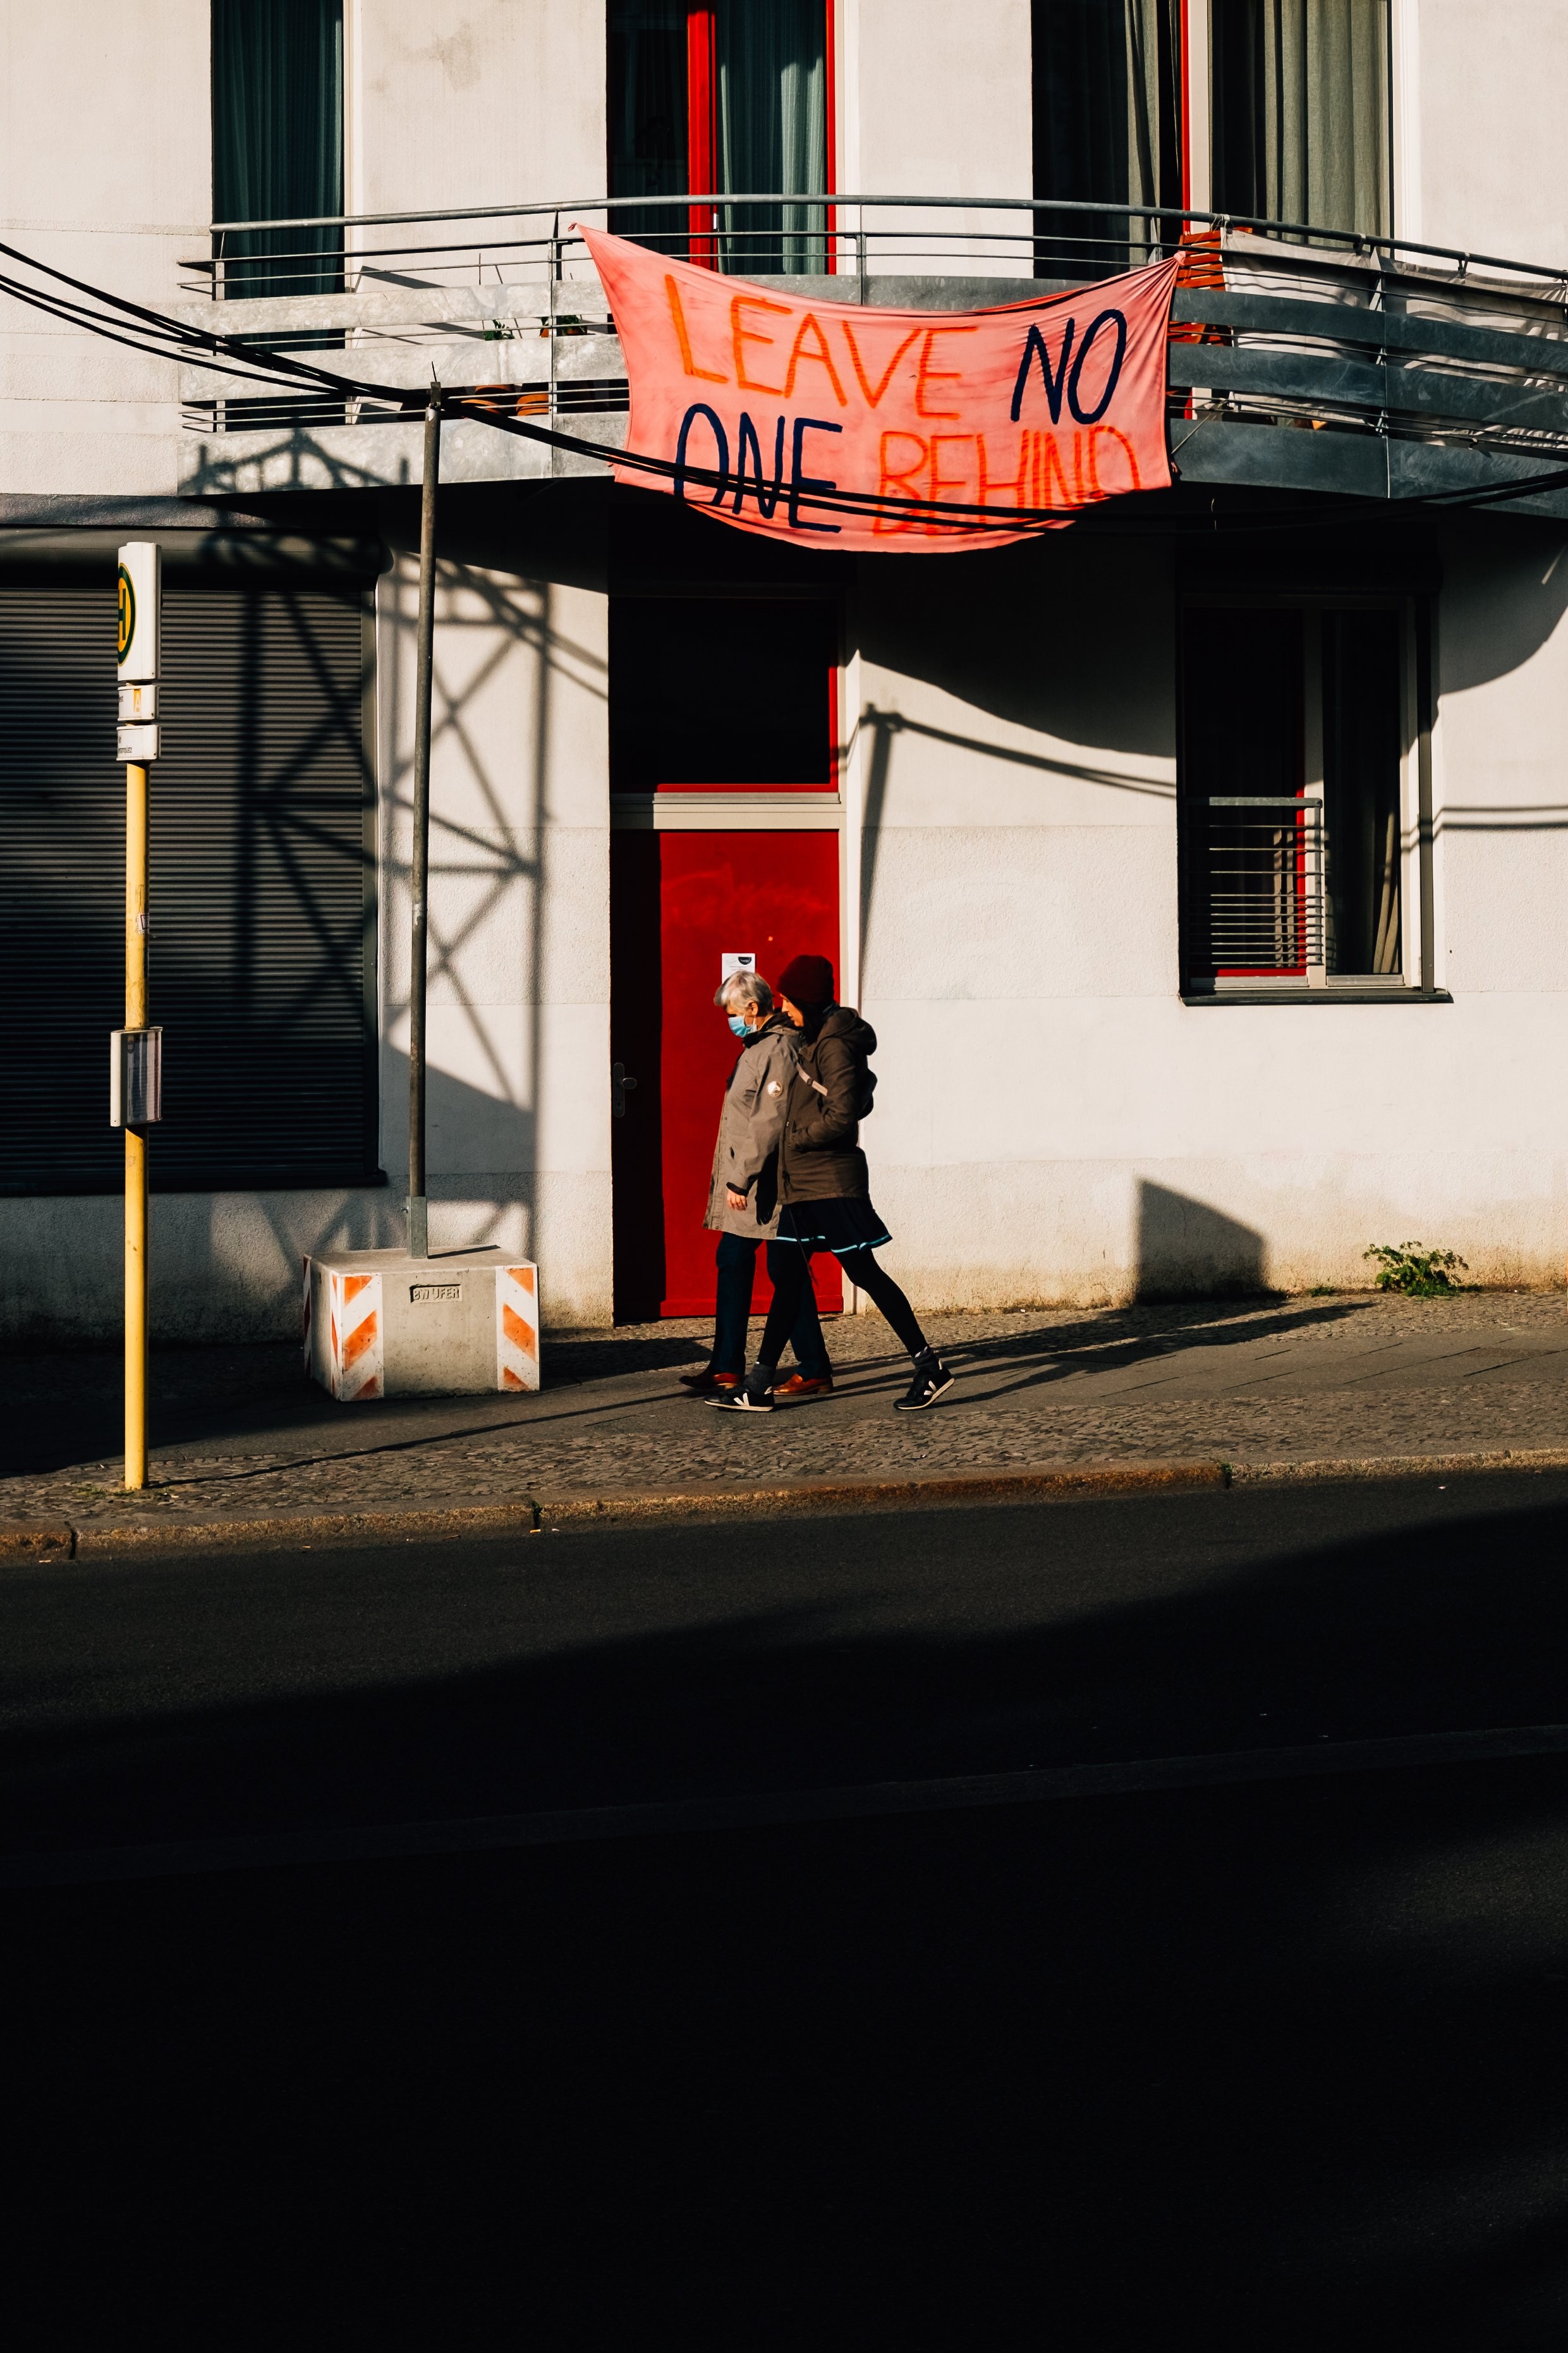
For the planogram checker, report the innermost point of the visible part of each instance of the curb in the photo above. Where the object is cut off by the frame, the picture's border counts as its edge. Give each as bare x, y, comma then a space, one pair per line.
99, 1540
1399, 1466
29, 1540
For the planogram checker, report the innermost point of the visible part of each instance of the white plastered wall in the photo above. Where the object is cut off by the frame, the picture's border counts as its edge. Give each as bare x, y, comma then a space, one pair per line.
106, 173
461, 103
1490, 126
935, 100
1052, 1123
518, 1022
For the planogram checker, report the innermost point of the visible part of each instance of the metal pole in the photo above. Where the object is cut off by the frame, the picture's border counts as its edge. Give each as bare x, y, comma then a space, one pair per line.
419, 863
135, 1142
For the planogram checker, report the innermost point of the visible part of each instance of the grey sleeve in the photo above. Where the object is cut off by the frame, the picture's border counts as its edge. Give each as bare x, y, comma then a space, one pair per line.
762, 1109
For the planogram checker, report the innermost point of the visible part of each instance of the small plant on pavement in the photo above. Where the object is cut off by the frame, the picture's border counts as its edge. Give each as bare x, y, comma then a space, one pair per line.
1415, 1272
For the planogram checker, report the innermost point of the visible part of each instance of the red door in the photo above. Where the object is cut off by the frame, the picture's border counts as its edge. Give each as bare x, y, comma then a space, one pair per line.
680, 902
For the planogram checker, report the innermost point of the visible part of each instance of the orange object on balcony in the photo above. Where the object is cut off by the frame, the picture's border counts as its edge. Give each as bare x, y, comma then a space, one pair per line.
1203, 267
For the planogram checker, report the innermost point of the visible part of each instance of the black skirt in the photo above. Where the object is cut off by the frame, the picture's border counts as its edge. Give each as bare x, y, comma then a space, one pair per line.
841, 1224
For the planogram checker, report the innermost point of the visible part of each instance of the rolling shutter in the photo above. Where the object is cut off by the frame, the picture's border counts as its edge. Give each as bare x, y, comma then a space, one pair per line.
261, 938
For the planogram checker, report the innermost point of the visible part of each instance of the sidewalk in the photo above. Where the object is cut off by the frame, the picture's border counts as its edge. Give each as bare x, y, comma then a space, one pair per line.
1354, 1378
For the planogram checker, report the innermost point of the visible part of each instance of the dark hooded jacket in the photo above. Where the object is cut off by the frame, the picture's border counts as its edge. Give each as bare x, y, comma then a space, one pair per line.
821, 1159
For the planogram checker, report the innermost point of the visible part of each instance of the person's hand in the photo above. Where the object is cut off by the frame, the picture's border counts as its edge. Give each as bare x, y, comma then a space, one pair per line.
736, 1201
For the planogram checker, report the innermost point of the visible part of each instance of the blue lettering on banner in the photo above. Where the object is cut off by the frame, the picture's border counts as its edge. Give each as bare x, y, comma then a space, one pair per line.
767, 499
700, 408
800, 484
1093, 415
1035, 348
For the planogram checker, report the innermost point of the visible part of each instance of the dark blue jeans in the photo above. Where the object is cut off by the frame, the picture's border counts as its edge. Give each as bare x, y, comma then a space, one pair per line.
737, 1266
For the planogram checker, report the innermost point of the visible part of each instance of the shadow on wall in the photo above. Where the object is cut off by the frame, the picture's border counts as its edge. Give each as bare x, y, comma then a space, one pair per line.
225, 1265
1186, 1250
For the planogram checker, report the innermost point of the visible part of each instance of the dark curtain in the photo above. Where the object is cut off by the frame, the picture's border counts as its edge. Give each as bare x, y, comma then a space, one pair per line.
1107, 76
771, 132
1361, 791
278, 142
1301, 111
648, 118
770, 128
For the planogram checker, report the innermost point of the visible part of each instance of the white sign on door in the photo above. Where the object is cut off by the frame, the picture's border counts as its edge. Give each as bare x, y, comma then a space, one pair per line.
734, 960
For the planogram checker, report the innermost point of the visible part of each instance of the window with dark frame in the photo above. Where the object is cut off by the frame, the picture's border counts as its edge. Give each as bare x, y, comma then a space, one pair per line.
278, 144
1294, 829
1107, 129
710, 97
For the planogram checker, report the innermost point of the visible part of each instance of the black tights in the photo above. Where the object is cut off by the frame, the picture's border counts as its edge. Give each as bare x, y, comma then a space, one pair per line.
789, 1271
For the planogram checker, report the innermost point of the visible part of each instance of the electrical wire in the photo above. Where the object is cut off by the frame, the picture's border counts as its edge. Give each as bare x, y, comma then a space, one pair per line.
226, 356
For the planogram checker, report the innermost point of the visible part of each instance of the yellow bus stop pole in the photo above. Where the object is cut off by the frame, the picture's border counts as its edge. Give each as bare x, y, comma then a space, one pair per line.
135, 1141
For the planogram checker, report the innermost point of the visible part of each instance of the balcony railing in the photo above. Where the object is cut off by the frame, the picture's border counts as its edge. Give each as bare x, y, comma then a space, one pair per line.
1402, 366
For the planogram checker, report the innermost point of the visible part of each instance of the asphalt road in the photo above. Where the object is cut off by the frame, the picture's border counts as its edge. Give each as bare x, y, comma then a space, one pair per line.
1275, 2064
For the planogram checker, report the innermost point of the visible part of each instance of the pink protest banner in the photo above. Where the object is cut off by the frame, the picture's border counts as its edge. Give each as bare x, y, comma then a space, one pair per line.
897, 430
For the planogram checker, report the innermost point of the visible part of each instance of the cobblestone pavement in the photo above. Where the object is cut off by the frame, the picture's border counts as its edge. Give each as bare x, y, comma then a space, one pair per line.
237, 1433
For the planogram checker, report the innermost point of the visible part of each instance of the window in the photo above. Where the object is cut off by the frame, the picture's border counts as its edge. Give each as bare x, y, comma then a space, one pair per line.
278, 142
1293, 826
1108, 113
1301, 111
261, 943
705, 99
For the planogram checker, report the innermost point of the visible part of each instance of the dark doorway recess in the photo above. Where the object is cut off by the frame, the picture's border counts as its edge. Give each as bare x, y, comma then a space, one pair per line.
711, 695
679, 902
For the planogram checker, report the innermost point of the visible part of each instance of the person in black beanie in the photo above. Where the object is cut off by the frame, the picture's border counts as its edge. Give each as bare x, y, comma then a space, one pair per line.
825, 1190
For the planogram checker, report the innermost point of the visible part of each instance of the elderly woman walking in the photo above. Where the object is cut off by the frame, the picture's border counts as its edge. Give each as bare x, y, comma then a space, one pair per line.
744, 1192
827, 1193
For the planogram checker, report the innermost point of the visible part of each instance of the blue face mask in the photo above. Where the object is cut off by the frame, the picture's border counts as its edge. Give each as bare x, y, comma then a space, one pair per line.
738, 1026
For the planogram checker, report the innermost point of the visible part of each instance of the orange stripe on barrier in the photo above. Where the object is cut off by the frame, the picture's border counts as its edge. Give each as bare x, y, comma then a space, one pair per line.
359, 1341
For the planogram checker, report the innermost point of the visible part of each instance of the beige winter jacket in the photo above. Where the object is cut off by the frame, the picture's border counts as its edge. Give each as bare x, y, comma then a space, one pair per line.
750, 1125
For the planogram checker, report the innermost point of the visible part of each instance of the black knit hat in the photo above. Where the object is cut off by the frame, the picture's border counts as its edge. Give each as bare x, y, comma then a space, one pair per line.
805, 980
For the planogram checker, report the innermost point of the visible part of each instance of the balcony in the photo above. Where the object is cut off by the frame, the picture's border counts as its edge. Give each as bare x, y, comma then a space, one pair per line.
1300, 359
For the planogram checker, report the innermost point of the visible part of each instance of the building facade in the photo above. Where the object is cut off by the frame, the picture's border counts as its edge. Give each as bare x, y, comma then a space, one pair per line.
1200, 866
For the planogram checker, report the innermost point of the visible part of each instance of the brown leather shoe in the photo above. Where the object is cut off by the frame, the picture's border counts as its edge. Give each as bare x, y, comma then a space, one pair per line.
708, 1381
804, 1385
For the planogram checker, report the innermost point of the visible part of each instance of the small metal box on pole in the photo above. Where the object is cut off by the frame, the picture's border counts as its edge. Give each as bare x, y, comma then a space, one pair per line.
136, 1053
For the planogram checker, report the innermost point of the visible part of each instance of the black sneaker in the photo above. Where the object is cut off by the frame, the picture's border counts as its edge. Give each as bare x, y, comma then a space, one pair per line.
743, 1400
932, 1380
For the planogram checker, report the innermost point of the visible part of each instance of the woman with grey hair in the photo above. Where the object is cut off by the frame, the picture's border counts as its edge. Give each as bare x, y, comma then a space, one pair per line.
743, 1191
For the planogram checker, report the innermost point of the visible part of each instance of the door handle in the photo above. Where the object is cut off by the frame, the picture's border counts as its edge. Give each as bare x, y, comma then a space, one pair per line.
621, 1086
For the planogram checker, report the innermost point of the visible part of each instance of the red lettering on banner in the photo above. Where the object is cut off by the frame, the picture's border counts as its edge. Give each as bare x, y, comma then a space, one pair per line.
1110, 432
925, 374
672, 292
940, 481
902, 483
932, 448
739, 335
1048, 461
799, 353
1017, 483
873, 398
